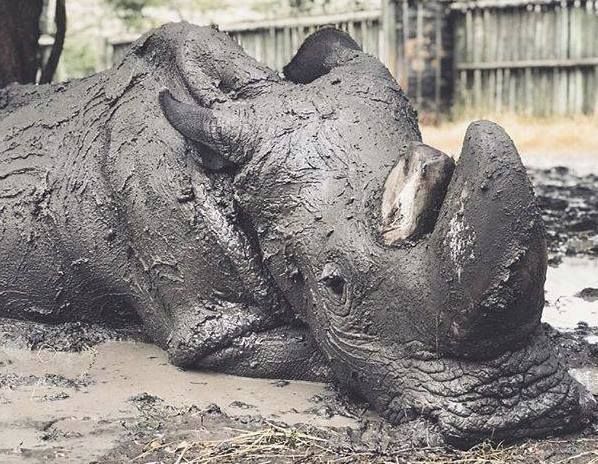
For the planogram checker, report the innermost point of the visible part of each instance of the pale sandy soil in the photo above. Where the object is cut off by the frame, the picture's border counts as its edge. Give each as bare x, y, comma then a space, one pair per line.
570, 141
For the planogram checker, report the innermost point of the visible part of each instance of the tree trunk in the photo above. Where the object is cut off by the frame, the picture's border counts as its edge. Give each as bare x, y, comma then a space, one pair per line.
19, 35
52, 63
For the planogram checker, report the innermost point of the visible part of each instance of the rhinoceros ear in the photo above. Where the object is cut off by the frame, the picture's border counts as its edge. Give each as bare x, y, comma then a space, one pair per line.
321, 52
225, 136
413, 193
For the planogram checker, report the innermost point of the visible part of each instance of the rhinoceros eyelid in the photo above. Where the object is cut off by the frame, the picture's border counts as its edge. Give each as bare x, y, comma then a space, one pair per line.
333, 279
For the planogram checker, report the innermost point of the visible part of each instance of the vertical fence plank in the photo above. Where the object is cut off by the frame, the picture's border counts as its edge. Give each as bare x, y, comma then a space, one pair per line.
459, 85
564, 85
405, 40
439, 51
390, 35
419, 52
478, 46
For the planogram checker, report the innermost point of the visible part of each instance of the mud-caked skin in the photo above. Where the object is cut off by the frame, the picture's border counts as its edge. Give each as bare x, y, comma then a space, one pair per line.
286, 227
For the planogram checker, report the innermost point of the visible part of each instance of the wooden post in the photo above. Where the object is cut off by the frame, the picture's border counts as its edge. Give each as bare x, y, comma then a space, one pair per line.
439, 50
419, 54
389, 30
404, 78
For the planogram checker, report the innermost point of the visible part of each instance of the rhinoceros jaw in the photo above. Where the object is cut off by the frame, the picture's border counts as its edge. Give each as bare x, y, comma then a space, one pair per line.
413, 193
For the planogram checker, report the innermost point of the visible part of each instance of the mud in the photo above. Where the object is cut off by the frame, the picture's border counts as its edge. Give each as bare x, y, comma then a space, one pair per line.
72, 407
569, 204
123, 402
69, 336
85, 393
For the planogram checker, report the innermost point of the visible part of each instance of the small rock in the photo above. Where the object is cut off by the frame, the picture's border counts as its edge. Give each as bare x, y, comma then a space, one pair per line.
212, 409
145, 397
588, 294
241, 405
582, 328
281, 383
321, 411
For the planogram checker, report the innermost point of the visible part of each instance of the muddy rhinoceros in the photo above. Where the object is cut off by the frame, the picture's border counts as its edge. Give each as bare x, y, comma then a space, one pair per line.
286, 227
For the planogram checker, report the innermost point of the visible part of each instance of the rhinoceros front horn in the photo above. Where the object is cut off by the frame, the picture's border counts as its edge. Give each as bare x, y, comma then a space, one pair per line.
226, 135
487, 250
413, 193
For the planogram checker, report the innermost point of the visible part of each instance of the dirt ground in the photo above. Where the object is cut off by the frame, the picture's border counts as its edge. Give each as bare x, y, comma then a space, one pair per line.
567, 140
78, 393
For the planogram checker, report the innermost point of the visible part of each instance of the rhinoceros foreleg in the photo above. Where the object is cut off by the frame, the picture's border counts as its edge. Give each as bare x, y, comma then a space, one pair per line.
284, 352
237, 339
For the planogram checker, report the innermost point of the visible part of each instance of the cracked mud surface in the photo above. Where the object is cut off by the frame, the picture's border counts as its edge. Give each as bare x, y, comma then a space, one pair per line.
85, 393
569, 203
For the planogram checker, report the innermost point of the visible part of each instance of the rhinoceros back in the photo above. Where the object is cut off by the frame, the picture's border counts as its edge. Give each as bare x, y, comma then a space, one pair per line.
47, 146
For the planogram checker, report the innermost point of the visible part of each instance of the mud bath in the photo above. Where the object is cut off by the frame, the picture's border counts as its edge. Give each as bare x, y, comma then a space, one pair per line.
119, 400
122, 400
125, 397
72, 407
70, 393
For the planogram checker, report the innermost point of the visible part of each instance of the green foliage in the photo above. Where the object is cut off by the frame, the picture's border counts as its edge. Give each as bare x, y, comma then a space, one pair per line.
307, 5
131, 11
78, 59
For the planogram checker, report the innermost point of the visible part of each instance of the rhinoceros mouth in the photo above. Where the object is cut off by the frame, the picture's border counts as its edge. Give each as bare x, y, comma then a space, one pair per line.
522, 393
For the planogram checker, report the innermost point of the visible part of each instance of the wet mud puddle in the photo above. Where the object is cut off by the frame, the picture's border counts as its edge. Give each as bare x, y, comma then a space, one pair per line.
73, 407
571, 293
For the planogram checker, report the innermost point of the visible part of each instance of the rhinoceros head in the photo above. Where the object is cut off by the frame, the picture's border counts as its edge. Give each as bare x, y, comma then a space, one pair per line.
420, 278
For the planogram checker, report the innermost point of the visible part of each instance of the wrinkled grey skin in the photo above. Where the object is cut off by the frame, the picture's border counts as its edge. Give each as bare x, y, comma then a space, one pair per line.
239, 218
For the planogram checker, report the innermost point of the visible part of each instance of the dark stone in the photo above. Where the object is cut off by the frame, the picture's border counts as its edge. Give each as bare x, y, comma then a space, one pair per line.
589, 294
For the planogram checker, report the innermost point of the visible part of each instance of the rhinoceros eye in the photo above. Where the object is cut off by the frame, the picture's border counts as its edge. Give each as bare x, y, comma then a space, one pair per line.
333, 280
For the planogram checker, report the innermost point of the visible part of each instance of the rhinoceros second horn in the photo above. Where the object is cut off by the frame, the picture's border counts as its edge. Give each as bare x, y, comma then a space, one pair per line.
413, 193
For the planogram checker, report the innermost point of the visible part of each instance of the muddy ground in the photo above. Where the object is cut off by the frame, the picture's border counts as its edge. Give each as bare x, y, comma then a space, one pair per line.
81, 393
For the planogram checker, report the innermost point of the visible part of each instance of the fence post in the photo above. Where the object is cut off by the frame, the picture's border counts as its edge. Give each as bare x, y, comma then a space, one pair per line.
389, 34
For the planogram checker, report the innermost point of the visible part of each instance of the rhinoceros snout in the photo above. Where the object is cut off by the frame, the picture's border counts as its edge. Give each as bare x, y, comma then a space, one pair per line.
480, 365
522, 393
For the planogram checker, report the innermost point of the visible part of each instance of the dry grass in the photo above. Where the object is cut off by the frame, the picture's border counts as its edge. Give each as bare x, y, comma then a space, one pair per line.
572, 135
276, 444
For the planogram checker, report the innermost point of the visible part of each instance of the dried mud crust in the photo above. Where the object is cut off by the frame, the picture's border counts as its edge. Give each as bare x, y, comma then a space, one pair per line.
68, 336
569, 205
164, 434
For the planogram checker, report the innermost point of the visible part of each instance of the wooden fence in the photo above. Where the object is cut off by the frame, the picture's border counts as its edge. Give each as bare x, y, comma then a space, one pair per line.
532, 57
409, 48
536, 57
275, 42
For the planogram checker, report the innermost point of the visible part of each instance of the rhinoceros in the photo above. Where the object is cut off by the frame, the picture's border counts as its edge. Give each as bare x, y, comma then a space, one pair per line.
286, 226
